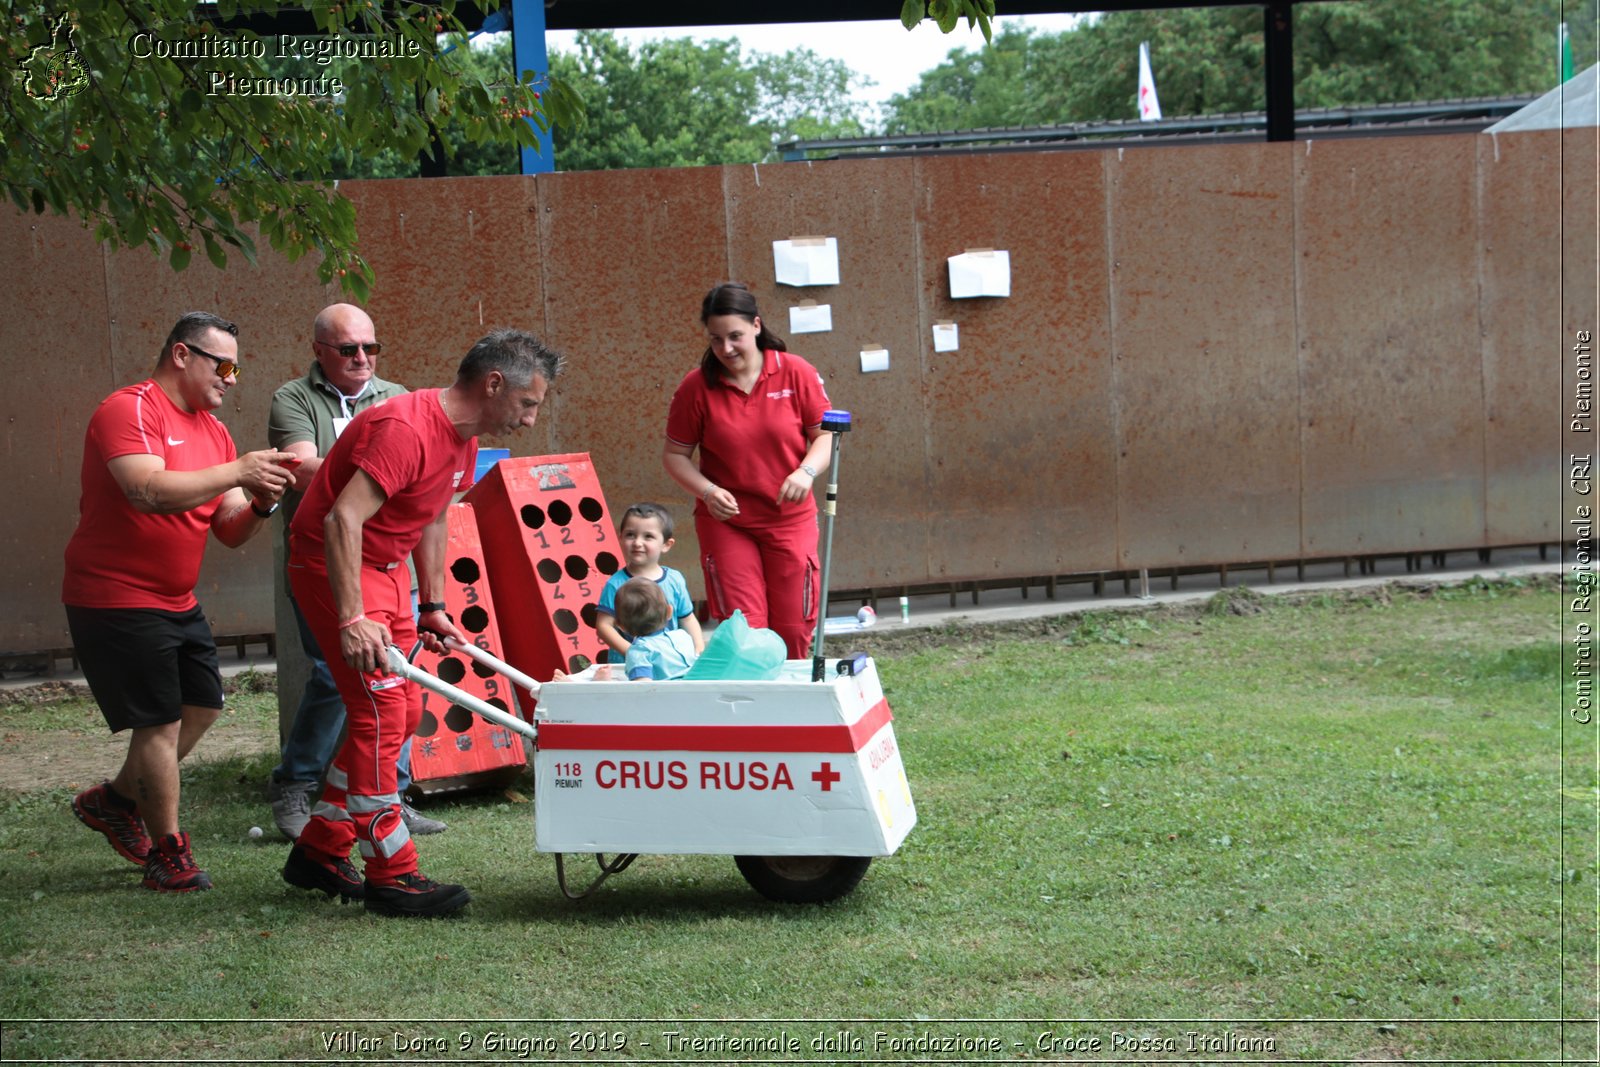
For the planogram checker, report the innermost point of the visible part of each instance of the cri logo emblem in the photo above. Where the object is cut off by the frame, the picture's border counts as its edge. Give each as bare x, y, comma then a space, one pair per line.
55, 71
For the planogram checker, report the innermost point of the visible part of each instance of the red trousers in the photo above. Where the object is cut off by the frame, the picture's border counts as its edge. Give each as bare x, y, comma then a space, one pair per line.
360, 802
770, 574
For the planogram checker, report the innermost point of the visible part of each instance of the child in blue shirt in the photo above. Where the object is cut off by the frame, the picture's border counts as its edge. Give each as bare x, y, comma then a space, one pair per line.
646, 536
660, 651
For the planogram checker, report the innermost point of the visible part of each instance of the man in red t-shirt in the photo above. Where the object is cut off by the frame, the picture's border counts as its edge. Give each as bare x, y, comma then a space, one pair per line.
159, 474
380, 495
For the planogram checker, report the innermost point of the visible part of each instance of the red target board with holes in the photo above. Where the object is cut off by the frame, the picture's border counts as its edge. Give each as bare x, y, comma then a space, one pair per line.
453, 748
550, 547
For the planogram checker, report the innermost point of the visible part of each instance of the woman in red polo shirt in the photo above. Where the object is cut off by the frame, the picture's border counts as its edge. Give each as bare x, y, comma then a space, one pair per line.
754, 412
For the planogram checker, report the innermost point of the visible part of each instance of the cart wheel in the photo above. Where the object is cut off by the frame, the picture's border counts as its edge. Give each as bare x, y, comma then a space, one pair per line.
803, 879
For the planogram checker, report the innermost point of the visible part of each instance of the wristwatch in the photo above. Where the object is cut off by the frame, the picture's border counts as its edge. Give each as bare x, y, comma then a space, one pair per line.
809, 469
265, 513
430, 605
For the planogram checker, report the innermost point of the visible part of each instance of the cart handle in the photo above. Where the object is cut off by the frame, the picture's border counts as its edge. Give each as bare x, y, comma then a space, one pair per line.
398, 664
494, 663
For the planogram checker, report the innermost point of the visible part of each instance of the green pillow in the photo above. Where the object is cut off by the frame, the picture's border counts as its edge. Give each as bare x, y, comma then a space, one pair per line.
736, 652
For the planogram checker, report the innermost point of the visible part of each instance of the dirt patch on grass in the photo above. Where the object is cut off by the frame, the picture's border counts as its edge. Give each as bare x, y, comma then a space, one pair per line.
75, 759
43, 746
1240, 601
44, 693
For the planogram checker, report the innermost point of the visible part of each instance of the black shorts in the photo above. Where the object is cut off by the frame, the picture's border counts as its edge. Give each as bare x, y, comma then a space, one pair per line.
144, 665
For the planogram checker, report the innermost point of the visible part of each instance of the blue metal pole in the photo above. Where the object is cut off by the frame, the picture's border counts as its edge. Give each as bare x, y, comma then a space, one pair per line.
838, 424
528, 52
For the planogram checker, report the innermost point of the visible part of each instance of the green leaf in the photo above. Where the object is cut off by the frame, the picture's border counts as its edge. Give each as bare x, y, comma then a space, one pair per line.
215, 252
179, 259
911, 12
358, 283
135, 229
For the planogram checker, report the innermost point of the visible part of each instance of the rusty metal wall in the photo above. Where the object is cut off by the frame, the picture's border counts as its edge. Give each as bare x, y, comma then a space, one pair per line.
452, 263
57, 367
871, 210
1210, 355
1519, 207
627, 257
1022, 472
1391, 368
1203, 334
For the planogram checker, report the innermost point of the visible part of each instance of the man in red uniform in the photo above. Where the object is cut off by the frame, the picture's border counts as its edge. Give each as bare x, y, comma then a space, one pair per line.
159, 473
380, 495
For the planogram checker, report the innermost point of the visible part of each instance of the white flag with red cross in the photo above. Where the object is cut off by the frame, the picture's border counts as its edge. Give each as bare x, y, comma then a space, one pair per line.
1149, 106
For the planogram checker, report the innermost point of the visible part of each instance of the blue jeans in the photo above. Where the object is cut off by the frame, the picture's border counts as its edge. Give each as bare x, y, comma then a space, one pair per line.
318, 721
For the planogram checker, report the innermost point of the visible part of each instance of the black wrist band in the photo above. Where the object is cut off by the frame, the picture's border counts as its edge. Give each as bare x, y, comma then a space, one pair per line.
265, 514
430, 605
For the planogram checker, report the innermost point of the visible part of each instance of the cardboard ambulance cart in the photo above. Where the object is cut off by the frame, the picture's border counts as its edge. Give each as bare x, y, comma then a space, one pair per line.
800, 781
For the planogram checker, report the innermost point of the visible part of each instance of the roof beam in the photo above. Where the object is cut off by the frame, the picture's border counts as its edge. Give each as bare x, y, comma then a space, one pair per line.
622, 14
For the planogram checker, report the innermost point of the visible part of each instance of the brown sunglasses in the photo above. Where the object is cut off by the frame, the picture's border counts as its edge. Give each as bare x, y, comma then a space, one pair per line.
226, 368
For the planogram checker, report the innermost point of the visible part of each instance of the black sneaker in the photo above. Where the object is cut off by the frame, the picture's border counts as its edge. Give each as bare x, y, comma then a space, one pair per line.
171, 867
97, 808
338, 878
414, 895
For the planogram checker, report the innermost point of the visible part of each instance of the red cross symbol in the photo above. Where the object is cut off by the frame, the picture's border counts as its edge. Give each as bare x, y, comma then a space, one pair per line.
826, 776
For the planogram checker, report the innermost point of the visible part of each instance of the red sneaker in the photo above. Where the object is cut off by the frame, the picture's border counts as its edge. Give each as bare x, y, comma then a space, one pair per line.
171, 867
98, 808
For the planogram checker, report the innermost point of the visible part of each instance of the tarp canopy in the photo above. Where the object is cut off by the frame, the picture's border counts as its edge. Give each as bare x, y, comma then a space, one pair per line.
1572, 103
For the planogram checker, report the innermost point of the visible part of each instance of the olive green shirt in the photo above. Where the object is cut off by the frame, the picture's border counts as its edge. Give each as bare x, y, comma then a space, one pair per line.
305, 409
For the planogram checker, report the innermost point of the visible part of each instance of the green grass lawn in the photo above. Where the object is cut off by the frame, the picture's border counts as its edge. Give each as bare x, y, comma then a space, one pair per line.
1351, 826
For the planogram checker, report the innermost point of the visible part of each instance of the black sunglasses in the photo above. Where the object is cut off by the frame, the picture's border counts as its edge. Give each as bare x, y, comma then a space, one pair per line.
226, 368
350, 351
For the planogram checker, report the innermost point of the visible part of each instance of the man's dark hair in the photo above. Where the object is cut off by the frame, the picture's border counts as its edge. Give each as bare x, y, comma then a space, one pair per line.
192, 325
515, 354
647, 510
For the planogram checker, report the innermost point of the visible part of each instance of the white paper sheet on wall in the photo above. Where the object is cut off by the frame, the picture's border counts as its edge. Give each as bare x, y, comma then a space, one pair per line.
980, 272
806, 261
946, 337
808, 316
874, 358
